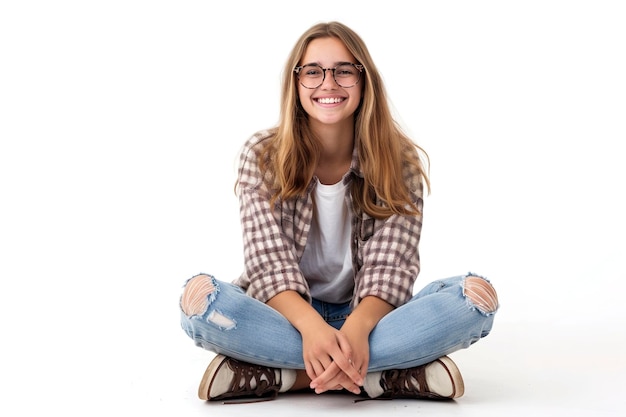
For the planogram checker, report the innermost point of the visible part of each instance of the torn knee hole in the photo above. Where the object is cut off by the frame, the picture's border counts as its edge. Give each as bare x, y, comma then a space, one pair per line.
481, 293
194, 299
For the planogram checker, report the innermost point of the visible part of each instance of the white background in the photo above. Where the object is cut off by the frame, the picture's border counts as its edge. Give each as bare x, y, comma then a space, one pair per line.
120, 123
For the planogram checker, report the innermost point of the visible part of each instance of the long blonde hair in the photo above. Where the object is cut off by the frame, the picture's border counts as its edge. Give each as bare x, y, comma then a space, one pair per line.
291, 155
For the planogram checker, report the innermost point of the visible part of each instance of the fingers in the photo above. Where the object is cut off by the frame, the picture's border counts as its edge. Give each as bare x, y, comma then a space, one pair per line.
333, 378
331, 363
316, 367
345, 362
355, 372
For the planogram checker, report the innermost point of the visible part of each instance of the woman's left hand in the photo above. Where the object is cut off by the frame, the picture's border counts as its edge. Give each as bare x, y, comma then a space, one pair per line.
357, 329
333, 377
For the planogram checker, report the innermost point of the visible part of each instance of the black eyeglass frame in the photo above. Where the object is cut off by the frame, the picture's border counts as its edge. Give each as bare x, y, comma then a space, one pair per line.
299, 68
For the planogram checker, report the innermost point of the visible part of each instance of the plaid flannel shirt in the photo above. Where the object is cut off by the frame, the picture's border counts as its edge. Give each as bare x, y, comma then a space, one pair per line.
384, 252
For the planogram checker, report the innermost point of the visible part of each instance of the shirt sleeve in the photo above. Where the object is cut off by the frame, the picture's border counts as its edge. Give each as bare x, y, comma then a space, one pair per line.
271, 264
390, 255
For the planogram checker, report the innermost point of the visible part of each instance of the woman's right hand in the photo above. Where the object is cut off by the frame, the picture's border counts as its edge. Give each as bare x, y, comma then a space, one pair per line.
323, 346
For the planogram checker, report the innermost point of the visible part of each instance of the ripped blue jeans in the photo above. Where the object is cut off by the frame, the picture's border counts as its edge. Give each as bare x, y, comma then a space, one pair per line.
438, 320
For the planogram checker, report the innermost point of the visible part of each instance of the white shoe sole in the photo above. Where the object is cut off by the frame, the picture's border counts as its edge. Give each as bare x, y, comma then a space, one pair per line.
205, 383
444, 378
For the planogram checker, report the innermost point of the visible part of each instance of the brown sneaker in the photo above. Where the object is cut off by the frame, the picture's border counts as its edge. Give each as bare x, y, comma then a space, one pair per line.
227, 378
439, 380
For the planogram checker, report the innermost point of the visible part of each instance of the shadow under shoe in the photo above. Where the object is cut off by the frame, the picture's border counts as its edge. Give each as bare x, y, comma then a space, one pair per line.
436, 380
236, 381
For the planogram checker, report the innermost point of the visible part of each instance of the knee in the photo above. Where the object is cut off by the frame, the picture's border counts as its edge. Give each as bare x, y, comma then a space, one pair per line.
481, 293
195, 297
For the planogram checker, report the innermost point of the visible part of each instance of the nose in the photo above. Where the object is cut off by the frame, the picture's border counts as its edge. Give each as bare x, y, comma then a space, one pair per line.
329, 78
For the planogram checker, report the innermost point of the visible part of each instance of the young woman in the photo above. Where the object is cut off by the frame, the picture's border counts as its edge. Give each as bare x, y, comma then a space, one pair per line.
331, 212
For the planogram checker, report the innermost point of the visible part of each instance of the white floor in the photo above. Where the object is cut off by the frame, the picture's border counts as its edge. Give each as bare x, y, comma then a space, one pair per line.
121, 122
520, 369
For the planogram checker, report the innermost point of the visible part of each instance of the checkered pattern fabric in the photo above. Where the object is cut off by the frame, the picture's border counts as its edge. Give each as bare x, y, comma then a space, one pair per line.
385, 252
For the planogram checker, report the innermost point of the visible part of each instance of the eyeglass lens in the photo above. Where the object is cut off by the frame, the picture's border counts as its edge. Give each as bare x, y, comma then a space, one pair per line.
312, 76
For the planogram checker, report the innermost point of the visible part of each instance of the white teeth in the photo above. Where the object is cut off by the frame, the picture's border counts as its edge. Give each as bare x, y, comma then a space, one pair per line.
329, 100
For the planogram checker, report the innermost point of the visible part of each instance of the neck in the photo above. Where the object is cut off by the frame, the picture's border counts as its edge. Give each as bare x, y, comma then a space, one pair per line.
336, 156
337, 140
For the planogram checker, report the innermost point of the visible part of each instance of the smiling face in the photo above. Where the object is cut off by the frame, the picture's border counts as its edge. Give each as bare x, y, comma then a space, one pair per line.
329, 104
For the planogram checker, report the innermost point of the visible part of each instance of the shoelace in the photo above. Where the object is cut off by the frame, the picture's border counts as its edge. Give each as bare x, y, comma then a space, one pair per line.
266, 387
398, 383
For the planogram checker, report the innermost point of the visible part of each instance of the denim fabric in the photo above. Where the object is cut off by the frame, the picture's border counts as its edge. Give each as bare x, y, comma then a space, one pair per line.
437, 321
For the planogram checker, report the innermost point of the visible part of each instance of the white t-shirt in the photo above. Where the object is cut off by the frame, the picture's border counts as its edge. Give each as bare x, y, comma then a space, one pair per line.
327, 259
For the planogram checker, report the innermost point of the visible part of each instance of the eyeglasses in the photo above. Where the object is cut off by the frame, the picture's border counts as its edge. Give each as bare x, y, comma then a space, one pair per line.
345, 75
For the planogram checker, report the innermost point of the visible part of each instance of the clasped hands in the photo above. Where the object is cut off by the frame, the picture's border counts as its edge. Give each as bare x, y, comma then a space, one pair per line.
335, 359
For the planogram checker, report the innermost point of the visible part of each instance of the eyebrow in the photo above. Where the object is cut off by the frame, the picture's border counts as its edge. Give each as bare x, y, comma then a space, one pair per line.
337, 63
